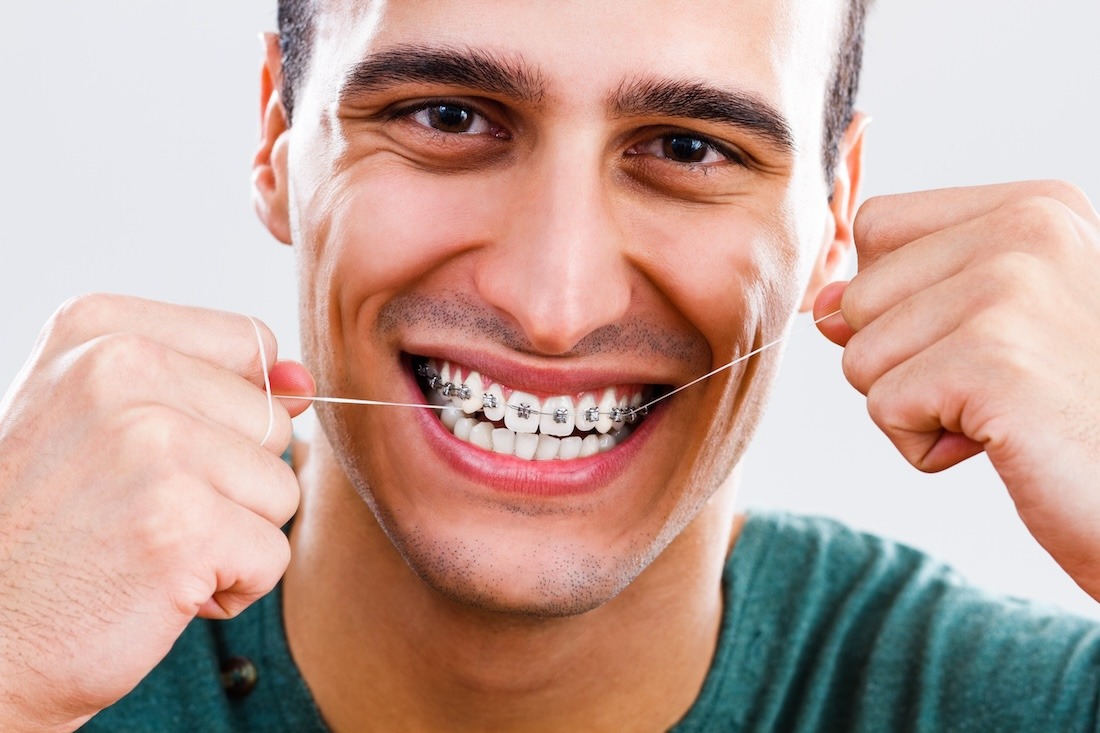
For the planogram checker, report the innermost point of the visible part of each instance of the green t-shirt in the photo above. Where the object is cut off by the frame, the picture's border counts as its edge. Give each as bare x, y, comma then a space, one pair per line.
824, 629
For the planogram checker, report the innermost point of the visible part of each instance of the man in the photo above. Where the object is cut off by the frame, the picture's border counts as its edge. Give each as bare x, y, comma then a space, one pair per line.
576, 215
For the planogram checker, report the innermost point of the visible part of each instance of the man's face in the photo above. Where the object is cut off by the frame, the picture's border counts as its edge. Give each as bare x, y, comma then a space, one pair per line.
585, 206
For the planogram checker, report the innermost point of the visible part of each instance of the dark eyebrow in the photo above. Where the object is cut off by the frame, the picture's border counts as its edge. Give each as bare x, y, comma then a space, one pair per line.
449, 66
693, 100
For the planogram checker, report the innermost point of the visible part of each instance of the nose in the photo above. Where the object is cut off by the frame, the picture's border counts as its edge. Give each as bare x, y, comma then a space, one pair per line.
559, 267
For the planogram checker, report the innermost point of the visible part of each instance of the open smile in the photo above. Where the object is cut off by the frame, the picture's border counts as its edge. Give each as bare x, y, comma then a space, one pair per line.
503, 420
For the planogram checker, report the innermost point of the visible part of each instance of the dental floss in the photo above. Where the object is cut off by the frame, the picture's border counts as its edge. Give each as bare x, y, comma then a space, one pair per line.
267, 381
381, 403
740, 359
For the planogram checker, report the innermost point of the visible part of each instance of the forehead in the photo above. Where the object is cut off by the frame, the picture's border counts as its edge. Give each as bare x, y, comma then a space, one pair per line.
581, 51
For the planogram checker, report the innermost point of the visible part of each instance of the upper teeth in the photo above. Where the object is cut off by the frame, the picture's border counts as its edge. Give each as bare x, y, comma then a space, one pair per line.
534, 428
526, 413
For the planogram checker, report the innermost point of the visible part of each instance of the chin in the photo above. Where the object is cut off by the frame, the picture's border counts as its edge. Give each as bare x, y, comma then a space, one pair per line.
516, 572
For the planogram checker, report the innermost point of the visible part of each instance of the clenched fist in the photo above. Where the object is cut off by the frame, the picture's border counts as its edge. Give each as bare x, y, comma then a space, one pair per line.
134, 496
974, 325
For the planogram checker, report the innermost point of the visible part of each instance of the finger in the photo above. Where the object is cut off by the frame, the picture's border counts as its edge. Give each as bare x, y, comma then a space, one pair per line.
249, 561
930, 315
226, 340
291, 378
123, 369
885, 223
829, 320
1038, 227
161, 446
921, 407
248, 475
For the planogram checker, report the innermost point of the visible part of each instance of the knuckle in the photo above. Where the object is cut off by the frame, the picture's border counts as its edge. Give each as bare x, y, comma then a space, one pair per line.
994, 335
287, 494
859, 303
984, 328
282, 430
150, 435
76, 320
880, 407
855, 364
86, 308
121, 355
1069, 194
84, 314
259, 577
171, 522
868, 223
113, 365
1009, 275
163, 431
1043, 225
278, 560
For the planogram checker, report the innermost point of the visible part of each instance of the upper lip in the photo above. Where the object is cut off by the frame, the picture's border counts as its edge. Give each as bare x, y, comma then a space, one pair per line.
568, 375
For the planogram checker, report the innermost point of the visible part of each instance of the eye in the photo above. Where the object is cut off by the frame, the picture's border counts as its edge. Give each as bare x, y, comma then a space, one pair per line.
454, 119
686, 149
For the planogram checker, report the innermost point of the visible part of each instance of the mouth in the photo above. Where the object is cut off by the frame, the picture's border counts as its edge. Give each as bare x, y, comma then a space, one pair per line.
503, 420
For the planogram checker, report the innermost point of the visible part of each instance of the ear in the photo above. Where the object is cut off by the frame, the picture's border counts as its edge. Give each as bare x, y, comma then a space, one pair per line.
838, 240
269, 167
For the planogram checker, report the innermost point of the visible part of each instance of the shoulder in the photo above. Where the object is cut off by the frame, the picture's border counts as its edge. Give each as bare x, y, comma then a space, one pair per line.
822, 572
830, 628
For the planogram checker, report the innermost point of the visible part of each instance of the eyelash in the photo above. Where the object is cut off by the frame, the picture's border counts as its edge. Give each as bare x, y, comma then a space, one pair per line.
409, 112
728, 154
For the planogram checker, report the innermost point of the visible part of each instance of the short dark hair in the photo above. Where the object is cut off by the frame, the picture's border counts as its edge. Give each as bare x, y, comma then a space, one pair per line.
296, 29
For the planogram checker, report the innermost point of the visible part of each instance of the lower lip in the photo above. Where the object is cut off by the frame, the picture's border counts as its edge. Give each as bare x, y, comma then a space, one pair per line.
511, 475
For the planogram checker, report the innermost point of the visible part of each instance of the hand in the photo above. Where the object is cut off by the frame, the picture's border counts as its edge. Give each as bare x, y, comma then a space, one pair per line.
974, 324
134, 495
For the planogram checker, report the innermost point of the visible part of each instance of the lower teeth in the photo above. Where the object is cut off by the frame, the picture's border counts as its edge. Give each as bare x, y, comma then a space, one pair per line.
491, 436
528, 446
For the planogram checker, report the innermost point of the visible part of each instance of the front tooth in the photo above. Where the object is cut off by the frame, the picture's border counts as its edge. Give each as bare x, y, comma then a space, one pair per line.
449, 417
570, 448
548, 448
463, 427
477, 394
495, 413
584, 406
504, 441
607, 442
482, 435
454, 376
553, 409
607, 401
526, 445
590, 446
522, 414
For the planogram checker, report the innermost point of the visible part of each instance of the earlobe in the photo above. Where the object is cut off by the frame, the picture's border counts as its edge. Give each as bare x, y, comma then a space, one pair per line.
269, 167
847, 183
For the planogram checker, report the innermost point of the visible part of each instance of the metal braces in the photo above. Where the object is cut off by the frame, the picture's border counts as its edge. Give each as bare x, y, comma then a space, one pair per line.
619, 415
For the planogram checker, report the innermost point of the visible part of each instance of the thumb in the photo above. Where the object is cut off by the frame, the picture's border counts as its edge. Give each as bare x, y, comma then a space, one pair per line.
291, 378
833, 327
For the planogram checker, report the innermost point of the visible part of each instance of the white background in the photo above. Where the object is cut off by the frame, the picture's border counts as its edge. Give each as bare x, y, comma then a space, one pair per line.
128, 127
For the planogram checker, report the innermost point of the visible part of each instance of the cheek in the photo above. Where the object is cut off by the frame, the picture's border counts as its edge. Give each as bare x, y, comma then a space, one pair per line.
391, 225
728, 273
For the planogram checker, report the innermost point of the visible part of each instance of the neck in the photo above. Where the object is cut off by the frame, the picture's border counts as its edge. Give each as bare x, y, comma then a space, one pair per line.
380, 650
